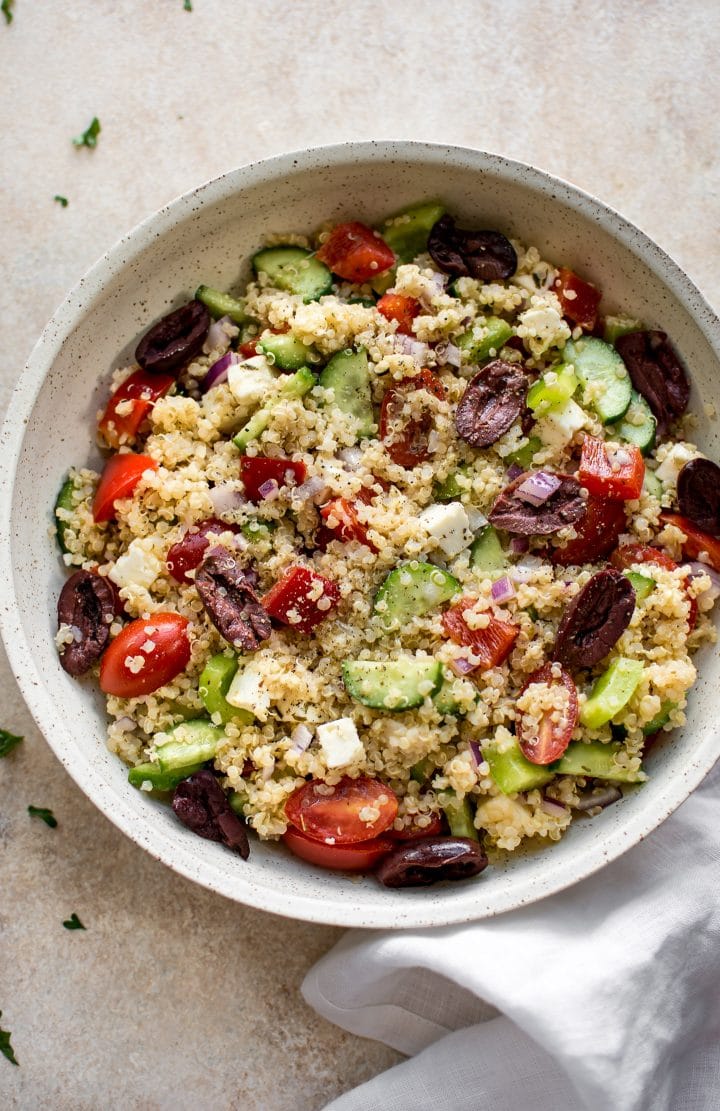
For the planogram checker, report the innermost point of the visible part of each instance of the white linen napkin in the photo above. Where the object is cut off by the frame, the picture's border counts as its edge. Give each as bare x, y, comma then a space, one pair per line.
608, 993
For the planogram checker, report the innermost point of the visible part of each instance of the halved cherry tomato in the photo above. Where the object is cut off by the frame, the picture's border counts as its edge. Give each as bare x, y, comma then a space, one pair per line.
598, 532
161, 642
249, 348
349, 526
332, 814
696, 541
120, 477
628, 554
141, 390
362, 856
611, 470
407, 443
492, 644
258, 469
578, 299
356, 253
552, 737
396, 306
293, 599
435, 828
188, 553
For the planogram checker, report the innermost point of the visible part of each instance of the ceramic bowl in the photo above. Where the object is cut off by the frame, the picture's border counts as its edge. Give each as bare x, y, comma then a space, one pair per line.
207, 236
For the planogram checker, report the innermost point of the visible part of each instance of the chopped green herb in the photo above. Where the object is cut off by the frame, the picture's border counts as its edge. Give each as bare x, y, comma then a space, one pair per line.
73, 923
89, 136
8, 742
187, 5
5, 1048
61, 200
6, 8
41, 812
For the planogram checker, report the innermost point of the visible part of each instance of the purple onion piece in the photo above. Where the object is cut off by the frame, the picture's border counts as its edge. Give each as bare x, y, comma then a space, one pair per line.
476, 752
697, 568
218, 372
502, 589
514, 471
269, 490
538, 487
461, 666
519, 544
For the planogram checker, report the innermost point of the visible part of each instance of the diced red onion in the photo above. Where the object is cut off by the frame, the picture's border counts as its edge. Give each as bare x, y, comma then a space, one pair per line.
301, 738
476, 753
314, 489
217, 338
514, 471
602, 797
218, 372
226, 497
406, 345
269, 490
350, 456
520, 544
502, 589
555, 809
538, 487
461, 666
697, 568
448, 353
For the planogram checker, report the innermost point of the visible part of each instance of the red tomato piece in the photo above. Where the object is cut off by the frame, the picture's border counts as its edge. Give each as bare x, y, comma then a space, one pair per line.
356, 253
187, 554
287, 601
552, 737
610, 470
142, 391
248, 349
406, 441
492, 644
396, 306
579, 300
362, 856
162, 644
332, 814
257, 470
696, 541
120, 477
597, 533
349, 526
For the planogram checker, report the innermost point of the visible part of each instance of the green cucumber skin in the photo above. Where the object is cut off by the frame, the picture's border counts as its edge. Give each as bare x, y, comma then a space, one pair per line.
64, 500
611, 692
486, 552
477, 350
298, 385
222, 304
406, 233
643, 585
512, 773
295, 270
191, 742
596, 361
213, 685
594, 760
160, 780
348, 375
459, 816
422, 594
641, 435
286, 351
369, 682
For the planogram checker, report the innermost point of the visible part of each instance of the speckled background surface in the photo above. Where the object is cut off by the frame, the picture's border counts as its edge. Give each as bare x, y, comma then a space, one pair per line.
174, 997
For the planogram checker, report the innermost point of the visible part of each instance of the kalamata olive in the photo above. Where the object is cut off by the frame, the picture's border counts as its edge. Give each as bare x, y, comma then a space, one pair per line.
201, 804
486, 255
87, 605
657, 373
595, 620
565, 506
492, 401
174, 340
230, 601
422, 862
698, 491
187, 554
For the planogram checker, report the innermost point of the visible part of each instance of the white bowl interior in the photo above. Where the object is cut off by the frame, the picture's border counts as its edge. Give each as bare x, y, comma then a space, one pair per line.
207, 236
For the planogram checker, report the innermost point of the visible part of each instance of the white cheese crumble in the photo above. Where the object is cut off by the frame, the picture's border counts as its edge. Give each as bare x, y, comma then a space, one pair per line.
448, 526
138, 566
340, 743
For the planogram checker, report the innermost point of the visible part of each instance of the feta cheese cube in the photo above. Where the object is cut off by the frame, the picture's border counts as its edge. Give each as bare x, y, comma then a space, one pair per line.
246, 691
558, 426
138, 566
250, 382
340, 743
675, 459
448, 525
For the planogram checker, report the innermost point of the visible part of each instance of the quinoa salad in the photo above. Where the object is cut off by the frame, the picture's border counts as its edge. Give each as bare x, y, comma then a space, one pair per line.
400, 553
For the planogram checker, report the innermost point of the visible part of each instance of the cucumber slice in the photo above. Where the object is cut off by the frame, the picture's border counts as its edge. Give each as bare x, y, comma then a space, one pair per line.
662, 717
383, 282
616, 326
64, 500
160, 780
237, 800
512, 772
301, 382
214, 684
191, 742
611, 692
412, 590
286, 351
368, 302
294, 270
348, 375
594, 760
392, 684
445, 701
254, 531
486, 554
524, 455
652, 484
476, 349
406, 233
552, 390
638, 425
222, 304
643, 585
606, 382
459, 814
423, 770
450, 489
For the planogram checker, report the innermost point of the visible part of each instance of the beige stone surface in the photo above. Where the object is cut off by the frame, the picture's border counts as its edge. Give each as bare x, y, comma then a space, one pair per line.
174, 997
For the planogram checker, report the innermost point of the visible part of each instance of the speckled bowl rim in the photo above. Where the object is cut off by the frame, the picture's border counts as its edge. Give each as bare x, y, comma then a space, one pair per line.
38, 696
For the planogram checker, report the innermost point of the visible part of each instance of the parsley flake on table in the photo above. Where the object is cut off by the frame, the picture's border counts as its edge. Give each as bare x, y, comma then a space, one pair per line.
46, 815
5, 1048
187, 5
8, 741
73, 923
61, 200
89, 136
7, 10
